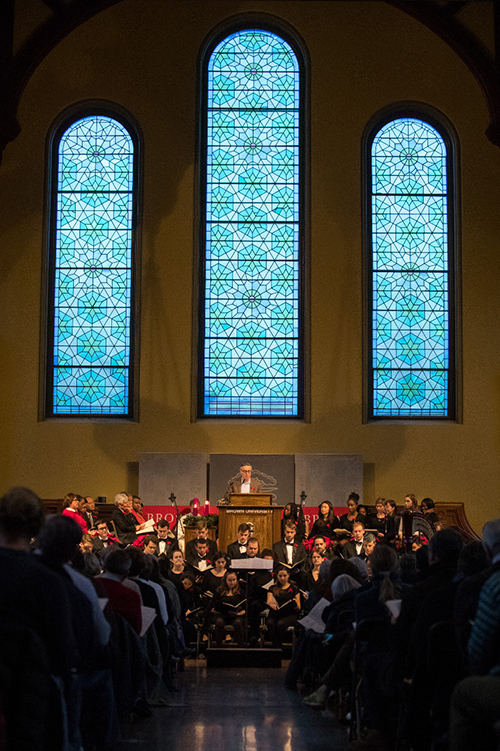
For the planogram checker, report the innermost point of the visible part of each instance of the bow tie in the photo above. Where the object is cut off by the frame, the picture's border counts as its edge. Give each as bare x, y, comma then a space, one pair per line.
288, 543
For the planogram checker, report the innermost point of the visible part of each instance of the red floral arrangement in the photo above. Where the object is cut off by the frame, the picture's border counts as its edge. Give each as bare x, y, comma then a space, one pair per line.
309, 544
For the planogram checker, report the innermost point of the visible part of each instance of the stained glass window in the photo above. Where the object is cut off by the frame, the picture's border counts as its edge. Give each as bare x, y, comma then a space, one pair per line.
251, 332
411, 274
90, 331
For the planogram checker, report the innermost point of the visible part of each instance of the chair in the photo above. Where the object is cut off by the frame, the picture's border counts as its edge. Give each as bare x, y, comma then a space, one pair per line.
112, 528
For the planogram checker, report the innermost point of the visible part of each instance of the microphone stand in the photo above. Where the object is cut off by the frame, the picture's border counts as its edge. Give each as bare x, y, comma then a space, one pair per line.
173, 502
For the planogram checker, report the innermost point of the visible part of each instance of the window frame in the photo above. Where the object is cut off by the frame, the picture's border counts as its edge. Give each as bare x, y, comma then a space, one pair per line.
88, 108
279, 27
446, 130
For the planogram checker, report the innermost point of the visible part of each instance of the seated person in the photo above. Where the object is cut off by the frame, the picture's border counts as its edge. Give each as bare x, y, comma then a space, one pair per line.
283, 601
418, 541
201, 531
327, 521
124, 520
212, 578
71, 509
167, 541
347, 520
90, 513
428, 508
256, 587
338, 639
252, 552
103, 539
390, 508
321, 548
369, 542
123, 600
362, 513
150, 545
355, 546
229, 608
87, 543
378, 520
137, 506
294, 513
312, 578
199, 562
238, 549
253, 548
176, 567
288, 553
190, 600
258, 581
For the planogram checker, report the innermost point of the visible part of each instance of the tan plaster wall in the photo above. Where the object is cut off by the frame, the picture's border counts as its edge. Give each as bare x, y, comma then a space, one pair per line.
142, 54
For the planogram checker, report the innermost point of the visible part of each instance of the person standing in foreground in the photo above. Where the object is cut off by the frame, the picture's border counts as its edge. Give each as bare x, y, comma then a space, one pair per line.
35, 625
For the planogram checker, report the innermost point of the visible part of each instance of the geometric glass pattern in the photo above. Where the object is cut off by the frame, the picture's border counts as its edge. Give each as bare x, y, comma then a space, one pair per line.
92, 269
251, 273
410, 345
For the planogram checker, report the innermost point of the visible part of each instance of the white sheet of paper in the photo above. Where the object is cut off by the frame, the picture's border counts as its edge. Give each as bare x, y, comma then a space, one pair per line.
147, 527
252, 564
313, 619
148, 616
394, 607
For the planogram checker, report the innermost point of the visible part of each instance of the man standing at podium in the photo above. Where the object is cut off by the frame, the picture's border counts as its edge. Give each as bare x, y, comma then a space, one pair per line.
244, 482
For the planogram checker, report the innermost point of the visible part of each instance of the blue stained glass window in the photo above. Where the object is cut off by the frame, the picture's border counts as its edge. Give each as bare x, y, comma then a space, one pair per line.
92, 270
251, 292
411, 271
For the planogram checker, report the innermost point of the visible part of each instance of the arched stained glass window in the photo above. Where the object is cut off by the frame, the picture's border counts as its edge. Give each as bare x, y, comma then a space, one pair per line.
411, 207
251, 329
93, 208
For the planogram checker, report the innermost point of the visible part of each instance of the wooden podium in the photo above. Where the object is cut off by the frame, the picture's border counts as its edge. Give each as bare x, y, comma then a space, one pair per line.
250, 499
254, 509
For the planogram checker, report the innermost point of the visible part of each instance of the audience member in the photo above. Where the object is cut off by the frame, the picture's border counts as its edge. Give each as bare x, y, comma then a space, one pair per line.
37, 638
127, 603
484, 642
